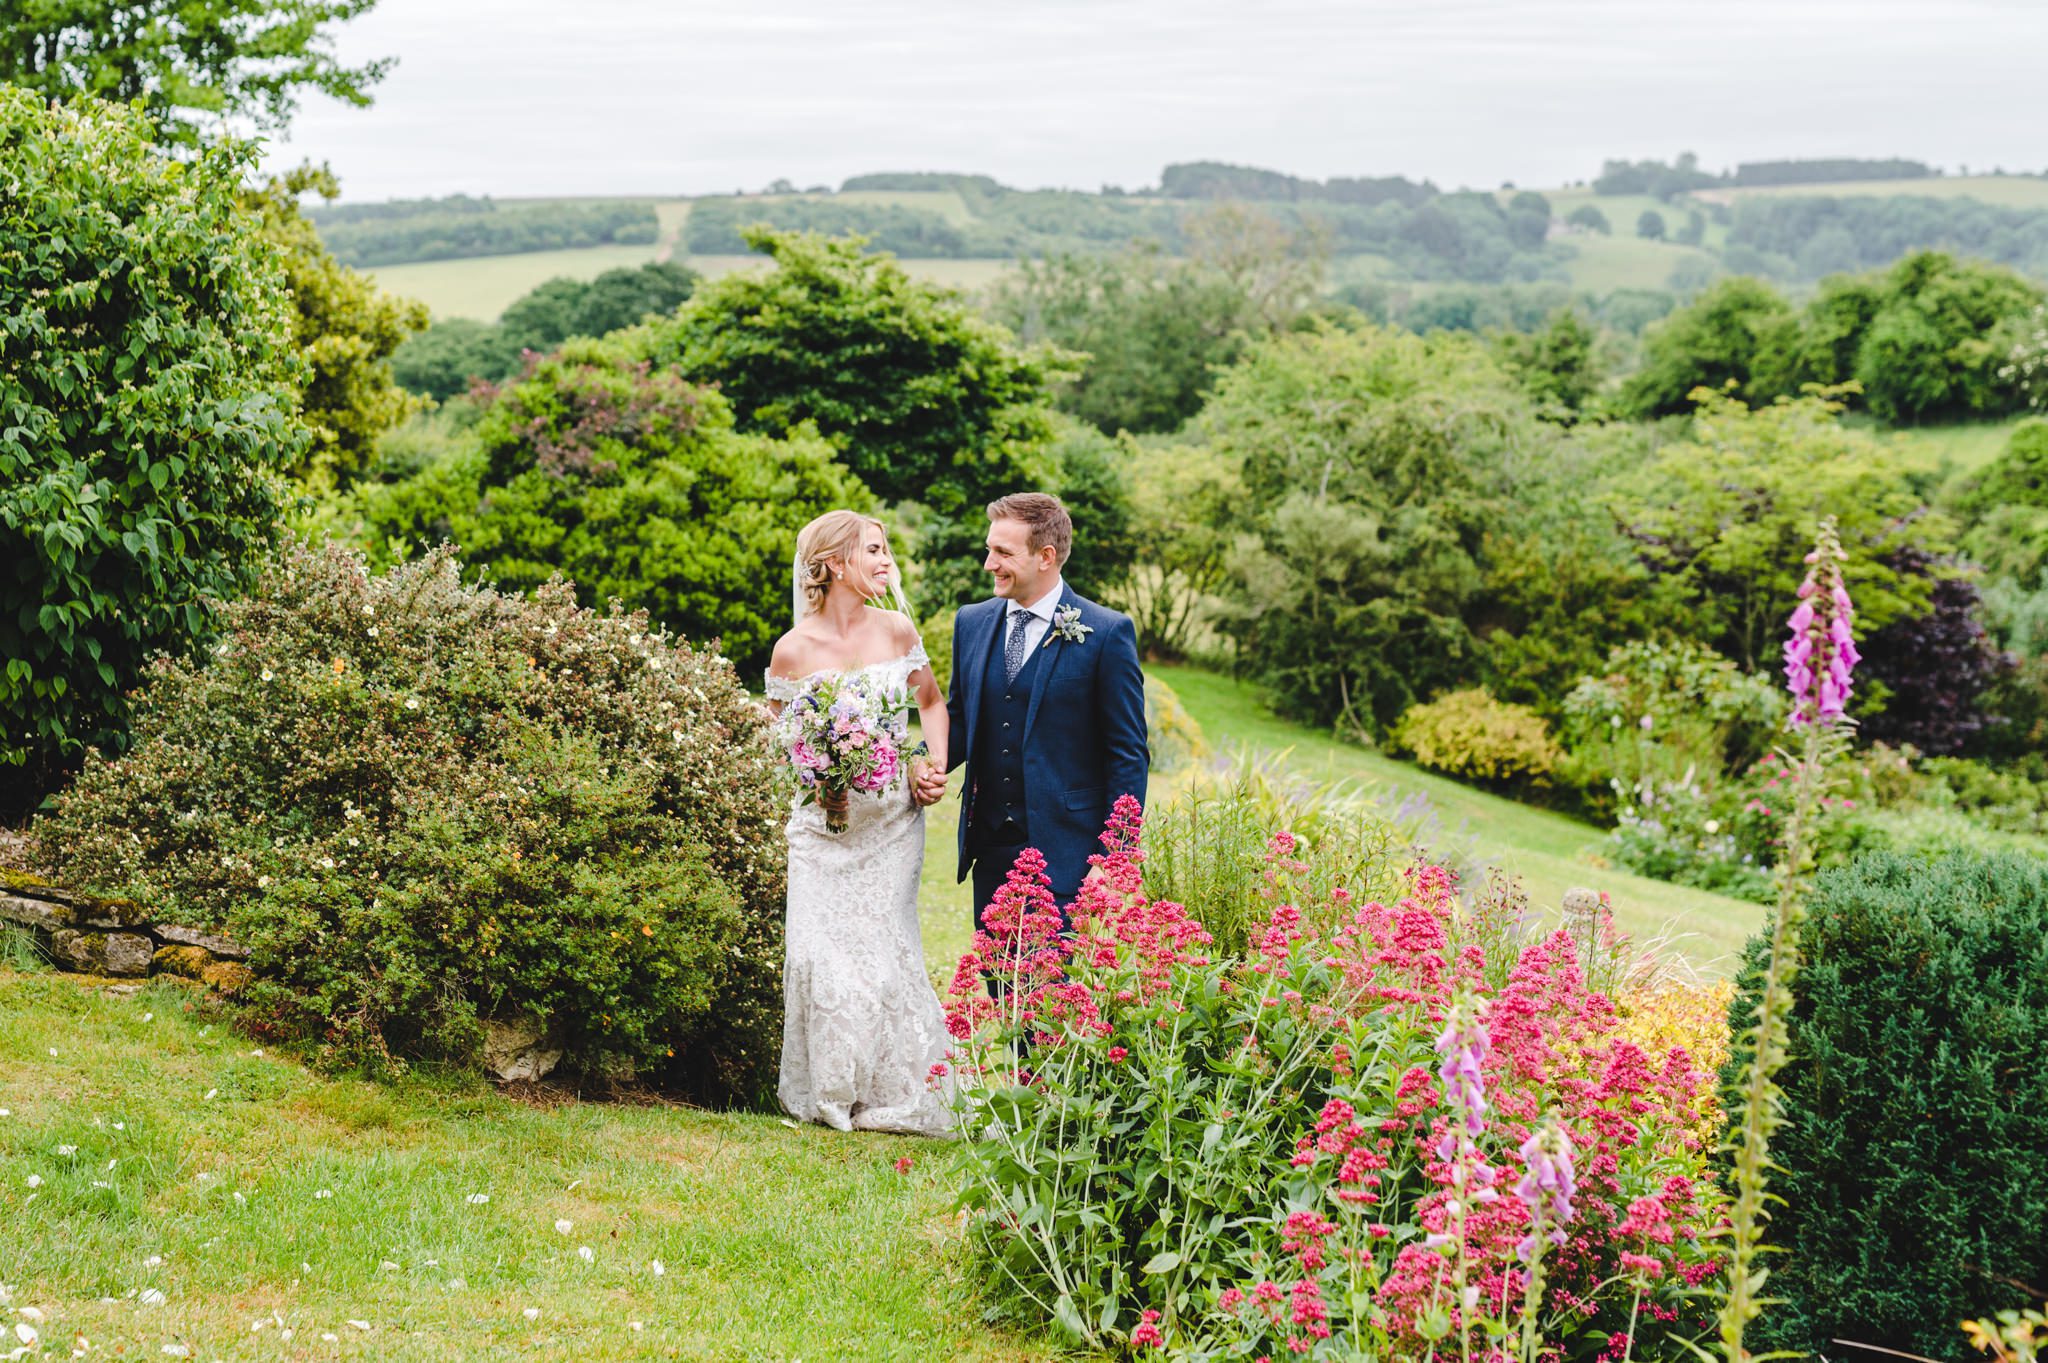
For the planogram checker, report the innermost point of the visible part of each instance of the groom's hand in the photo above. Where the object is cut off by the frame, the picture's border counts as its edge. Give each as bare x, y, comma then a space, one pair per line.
928, 787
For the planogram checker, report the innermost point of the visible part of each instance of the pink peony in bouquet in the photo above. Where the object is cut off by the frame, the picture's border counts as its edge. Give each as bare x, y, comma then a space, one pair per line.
846, 733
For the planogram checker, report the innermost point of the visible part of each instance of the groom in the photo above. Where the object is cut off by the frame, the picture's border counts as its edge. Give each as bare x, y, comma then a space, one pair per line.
1047, 707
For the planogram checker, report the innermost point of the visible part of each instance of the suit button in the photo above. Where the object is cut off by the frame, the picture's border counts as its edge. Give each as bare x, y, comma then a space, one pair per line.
1006, 724
1006, 752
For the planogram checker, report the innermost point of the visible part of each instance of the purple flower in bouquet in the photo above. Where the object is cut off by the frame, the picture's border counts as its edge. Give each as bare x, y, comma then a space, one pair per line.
1820, 652
846, 734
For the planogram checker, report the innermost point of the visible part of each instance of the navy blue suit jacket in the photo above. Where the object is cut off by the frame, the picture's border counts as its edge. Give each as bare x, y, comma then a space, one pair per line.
1084, 730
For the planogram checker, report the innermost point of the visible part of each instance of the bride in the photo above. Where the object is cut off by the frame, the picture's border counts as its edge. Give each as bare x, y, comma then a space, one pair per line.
862, 1028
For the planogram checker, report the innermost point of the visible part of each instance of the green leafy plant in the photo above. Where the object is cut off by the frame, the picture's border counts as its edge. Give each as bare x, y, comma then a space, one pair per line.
1469, 734
146, 392
631, 482
426, 806
1211, 827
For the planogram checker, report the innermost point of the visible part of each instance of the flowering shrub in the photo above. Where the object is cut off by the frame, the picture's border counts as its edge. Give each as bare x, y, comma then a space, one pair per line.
1668, 712
1471, 735
1345, 1142
1677, 831
423, 804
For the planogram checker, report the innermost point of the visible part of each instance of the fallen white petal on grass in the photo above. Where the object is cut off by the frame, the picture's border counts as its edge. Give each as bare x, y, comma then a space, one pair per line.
583, 1253
360, 1324
477, 1199
659, 1267
564, 1226
35, 1180
531, 1313
177, 1351
31, 1314
211, 1094
388, 1266
791, 1125
120, 1126
153, 1261
25, 1332
574, 1186
101, 1183
240, 1198
634, 1325
323, 1193
152, 1297
149, 1017
330, 1337
67, 1149
5, 1113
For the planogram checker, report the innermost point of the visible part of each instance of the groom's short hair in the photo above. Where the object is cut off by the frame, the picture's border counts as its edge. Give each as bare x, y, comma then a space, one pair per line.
1045, 514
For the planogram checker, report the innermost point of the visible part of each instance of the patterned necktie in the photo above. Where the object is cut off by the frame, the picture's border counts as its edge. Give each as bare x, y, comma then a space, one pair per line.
1013, 647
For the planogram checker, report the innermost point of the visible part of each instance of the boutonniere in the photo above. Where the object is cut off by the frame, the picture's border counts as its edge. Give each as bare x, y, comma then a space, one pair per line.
1066, 624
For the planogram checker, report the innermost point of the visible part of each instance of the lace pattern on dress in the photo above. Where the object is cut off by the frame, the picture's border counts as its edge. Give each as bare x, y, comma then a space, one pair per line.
862, 1025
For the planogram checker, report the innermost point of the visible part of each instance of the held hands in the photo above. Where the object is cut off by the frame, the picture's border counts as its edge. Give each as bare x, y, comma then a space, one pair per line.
927, 784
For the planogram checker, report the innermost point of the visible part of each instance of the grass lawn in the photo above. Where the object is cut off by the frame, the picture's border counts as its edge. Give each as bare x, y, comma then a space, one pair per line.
1549, 851
421, 1220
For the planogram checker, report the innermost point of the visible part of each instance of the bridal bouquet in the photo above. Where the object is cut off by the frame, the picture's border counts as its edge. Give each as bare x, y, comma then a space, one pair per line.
845, 734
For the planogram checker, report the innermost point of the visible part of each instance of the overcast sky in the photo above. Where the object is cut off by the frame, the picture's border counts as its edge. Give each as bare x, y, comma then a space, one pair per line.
512, 97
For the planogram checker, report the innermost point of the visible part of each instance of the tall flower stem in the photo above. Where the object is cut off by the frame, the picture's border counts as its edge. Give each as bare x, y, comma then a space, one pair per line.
1819, 657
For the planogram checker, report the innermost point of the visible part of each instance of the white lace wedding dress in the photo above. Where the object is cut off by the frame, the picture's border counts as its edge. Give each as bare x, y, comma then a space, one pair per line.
862, 1026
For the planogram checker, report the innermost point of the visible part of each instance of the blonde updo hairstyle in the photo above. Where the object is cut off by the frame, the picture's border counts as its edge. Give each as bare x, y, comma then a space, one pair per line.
834, 535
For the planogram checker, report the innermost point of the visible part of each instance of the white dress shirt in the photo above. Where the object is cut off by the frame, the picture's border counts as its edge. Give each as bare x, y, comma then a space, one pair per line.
1041, 617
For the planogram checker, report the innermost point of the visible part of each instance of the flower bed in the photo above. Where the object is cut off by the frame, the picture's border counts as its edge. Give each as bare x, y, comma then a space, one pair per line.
1356, 1139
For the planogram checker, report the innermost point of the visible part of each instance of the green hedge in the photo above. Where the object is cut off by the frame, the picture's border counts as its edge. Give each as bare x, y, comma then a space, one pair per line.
1917, 1100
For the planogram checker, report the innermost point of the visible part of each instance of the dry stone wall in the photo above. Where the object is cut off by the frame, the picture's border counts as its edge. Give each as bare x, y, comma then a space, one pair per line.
117, 937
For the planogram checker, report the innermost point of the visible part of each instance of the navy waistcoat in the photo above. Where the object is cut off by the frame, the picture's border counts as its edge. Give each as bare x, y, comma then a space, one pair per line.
999, 793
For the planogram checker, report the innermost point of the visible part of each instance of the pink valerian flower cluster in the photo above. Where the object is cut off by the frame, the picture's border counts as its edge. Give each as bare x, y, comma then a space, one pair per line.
1021, 945
1460, 1149
1546, 1041
1820, 652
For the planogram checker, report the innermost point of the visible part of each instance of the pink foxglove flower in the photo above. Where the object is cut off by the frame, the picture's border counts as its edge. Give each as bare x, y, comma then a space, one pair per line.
1820, 650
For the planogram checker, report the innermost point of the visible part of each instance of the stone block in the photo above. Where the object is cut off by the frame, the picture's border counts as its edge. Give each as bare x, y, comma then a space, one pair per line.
35, 913
518, 1049
128, 953
205, 941
85, 952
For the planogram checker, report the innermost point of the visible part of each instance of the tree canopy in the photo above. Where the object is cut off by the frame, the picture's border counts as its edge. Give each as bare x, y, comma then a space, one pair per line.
198, 66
